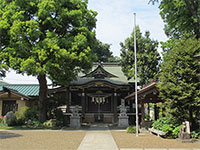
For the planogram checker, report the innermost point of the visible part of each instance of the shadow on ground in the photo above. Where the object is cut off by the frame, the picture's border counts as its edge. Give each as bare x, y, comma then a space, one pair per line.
6, 135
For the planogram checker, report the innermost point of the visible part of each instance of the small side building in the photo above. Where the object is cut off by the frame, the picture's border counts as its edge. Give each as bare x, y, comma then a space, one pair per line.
15, 96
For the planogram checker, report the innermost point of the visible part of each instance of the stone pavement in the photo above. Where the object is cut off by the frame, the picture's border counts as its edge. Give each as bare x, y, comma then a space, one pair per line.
98, 137
159, 149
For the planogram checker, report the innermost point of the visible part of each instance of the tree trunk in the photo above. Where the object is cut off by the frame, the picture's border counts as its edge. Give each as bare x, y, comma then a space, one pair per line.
42, 97
192, 120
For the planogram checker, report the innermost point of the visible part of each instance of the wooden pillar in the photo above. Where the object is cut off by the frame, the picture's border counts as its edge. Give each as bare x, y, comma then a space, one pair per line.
148, 109
155, 112
83, 104
142, 114
67, 94
115, 107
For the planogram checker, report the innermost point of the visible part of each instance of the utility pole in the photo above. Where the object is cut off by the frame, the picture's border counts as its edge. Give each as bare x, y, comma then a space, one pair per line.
136, 99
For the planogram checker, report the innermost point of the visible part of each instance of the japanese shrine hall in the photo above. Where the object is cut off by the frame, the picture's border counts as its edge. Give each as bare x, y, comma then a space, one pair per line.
98, 94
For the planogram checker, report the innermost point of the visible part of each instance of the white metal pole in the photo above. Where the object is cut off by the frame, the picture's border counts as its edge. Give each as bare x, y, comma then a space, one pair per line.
136, 100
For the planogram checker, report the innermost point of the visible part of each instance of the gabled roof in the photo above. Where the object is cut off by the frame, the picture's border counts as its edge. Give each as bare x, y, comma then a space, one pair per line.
114, 69
148, 94
23, 89
100, 72
83, 81
6, 90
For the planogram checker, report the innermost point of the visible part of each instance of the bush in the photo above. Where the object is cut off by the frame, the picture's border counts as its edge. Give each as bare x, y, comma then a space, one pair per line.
195, 134
176, 131
158, 124
1, 119
26, 114
147, 117
131, 129
167, 126
167, 129
50, 123
10, 119
36, 123
59, 117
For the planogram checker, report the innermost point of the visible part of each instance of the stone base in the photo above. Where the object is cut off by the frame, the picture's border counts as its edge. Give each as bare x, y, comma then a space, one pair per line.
187, 140
123, 121
75, 121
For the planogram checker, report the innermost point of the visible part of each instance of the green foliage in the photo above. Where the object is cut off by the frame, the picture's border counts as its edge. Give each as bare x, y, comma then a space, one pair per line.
10, 119
180, 82
47, 38
50, 123
158, 124
195, 134
147, 117
180, 16
176, 131
167, 129
168, 126
59, 117
148, 58
53, 102
36, 123
131, 129
102, 52
26, 114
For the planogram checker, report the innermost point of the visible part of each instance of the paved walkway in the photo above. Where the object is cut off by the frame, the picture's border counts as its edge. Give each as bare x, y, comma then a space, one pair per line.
98, 137
159, 149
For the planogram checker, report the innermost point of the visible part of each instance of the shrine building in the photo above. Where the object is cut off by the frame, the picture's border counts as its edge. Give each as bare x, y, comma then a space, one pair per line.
98, 94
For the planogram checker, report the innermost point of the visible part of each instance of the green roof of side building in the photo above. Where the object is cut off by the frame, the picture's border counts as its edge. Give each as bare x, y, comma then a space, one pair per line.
24, 89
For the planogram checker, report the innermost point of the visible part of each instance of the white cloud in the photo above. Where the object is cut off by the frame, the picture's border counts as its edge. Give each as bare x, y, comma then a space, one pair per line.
115, 20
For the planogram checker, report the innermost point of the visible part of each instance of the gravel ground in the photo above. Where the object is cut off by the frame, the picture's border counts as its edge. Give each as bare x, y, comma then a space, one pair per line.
40, 140
146, 140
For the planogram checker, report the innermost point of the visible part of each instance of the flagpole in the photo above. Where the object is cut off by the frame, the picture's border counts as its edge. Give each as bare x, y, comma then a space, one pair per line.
136, 99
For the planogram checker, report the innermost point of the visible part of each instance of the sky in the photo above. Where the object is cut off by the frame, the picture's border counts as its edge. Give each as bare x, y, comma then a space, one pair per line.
115, 22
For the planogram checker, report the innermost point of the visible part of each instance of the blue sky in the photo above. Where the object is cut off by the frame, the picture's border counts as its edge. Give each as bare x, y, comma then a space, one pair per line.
115, 22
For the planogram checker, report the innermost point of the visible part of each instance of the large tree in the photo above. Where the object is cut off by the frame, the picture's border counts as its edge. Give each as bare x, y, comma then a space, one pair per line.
180, 80
181, 17
102, 52
44, 38
148, 58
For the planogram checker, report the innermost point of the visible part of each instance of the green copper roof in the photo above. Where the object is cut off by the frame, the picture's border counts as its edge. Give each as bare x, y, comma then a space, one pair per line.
112, 68
82, 81
24, 89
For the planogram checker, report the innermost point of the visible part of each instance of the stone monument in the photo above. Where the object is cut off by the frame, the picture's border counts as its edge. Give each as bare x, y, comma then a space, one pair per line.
184, 132
75, 118
123, 118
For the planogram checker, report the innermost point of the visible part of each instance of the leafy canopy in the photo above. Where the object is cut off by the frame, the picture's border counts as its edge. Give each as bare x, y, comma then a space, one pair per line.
181, 17
179, 80
148, 58
102, 52
52, 37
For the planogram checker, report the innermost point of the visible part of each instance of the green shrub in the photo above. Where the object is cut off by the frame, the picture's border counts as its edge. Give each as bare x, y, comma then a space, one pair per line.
195, 134
147, 117
59, 117
26, 114
176, 131
1, 120
158, 124
167, 129
10, 119
36, 123
131, 129
50, 123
